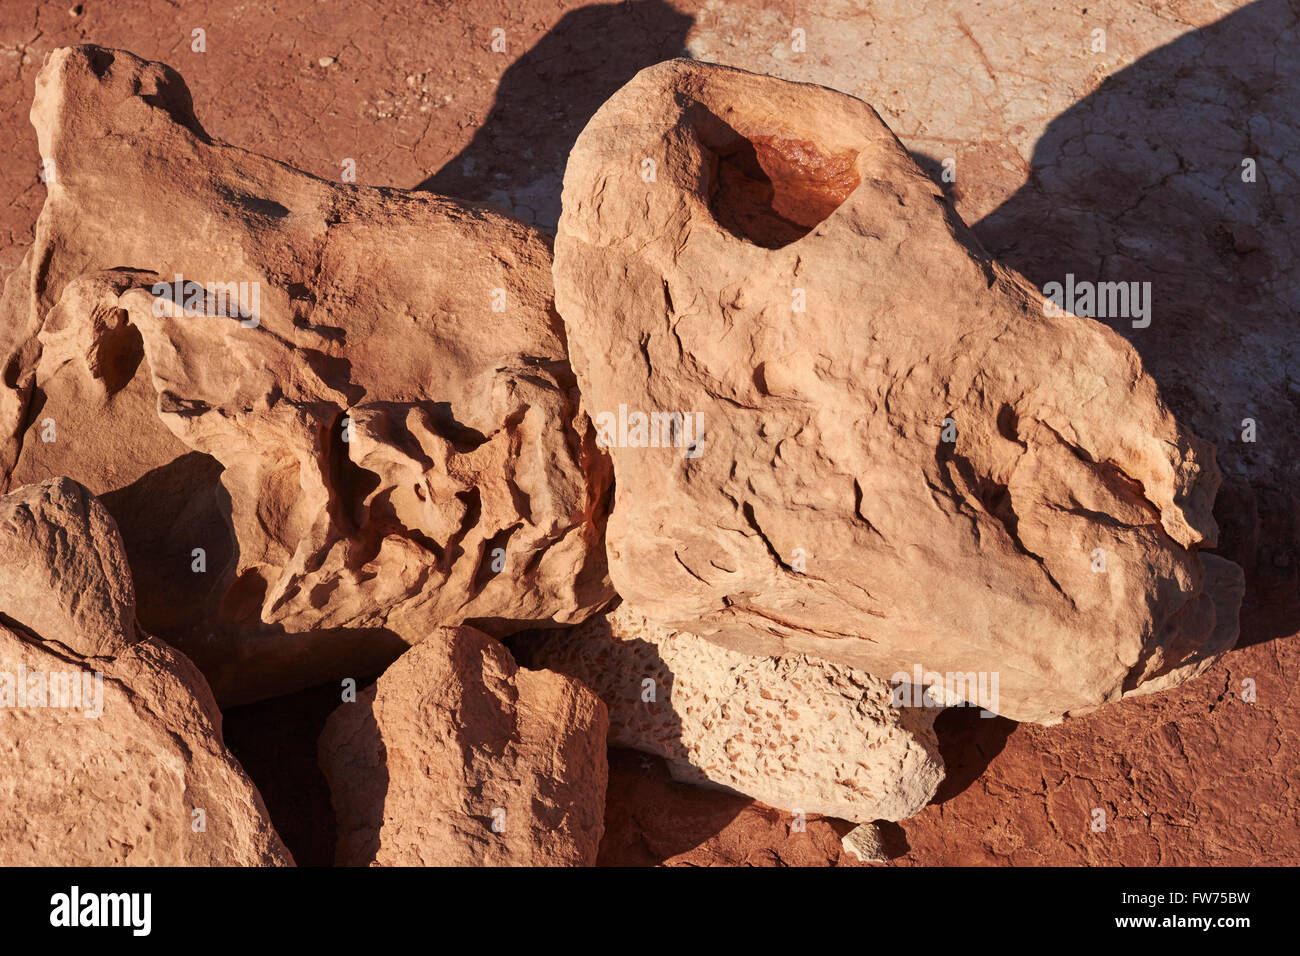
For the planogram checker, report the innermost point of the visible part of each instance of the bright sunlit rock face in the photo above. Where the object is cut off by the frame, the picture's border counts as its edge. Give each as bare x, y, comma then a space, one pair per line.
905, 457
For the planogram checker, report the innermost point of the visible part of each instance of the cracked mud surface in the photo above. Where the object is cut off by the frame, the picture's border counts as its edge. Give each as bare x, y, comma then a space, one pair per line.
1116, 165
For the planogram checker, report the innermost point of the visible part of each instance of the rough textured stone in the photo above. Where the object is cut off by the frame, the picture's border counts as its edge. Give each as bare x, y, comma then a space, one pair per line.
109, 739
63, 573
980, 83
864, 842
390, 404
1170, 666
792, 282
797, 733
453, 740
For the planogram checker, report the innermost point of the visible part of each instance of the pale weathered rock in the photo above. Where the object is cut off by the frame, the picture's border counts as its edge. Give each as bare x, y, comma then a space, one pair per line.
864, 842
795, 733
370, 427
110, 740
896, 459
1225, 584
456, 757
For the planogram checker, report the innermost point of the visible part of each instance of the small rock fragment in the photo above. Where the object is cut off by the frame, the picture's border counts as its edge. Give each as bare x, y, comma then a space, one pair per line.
864, 842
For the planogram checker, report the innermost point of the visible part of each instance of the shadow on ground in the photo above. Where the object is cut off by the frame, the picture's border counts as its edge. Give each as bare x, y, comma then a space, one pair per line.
544, 99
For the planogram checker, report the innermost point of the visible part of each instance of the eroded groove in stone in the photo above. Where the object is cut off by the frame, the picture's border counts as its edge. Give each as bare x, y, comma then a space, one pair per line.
369, 429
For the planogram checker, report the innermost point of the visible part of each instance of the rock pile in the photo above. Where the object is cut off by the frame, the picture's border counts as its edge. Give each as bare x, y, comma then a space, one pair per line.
111, 739
813, 438
328, 418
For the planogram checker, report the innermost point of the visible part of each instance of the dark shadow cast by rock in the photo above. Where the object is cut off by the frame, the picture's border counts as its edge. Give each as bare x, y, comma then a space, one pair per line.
545, 97
1179, 171
163, 516
275, 742
685, 815
968, 744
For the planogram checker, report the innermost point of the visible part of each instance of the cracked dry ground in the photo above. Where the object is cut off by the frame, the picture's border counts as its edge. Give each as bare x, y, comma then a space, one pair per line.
1122, 162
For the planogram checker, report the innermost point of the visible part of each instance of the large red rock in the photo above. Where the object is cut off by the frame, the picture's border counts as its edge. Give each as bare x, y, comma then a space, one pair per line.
456, 757
366, 421
110, 741
887, 453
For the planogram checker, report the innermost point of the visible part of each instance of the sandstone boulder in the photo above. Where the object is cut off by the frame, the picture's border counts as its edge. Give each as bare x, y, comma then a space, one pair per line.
795, 733
840, 429
110, 741
456, 757
329, 418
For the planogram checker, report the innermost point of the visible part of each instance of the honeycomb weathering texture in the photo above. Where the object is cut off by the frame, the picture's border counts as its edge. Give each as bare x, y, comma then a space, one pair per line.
387, 414
823, 511
796, 733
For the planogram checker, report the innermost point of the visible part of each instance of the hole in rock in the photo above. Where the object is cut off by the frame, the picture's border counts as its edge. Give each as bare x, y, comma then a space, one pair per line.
243, 601
774, 187
99, 61
120, 352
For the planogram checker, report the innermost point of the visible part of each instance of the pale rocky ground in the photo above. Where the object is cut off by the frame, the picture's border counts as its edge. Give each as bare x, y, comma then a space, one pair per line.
1193, 776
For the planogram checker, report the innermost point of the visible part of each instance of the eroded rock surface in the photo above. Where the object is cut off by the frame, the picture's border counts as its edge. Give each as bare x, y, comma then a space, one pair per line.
110, 740
893, 457
796, 733
456, 757
365, 419
980, 85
